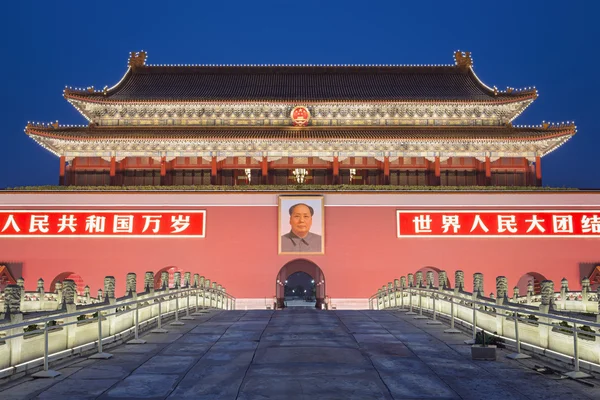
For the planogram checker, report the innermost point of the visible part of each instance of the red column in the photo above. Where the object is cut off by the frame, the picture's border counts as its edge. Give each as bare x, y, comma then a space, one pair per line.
61, 171
213, 170
113, 170
264, 167
386, 170
163, 171
488, 171
438, 179
538, 171
336, 171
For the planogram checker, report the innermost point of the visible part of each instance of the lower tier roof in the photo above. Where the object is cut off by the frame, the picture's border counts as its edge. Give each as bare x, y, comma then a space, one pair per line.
522, 141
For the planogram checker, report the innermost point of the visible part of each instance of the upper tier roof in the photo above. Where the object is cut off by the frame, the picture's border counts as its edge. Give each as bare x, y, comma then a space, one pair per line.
300, 84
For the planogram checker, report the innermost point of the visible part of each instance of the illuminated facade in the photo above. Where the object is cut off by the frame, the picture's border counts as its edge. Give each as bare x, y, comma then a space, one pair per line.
281, 124
278, 125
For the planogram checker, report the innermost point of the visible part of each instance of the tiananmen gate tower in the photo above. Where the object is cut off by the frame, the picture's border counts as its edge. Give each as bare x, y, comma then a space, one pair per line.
349, 173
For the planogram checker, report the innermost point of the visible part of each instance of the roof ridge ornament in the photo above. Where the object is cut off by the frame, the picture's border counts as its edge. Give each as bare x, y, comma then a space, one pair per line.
463, 59
137, 59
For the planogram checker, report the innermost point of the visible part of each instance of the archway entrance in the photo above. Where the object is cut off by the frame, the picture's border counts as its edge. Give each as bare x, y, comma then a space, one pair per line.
296, 274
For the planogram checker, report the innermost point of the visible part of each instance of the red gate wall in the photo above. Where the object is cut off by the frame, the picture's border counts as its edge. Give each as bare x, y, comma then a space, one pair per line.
240, 248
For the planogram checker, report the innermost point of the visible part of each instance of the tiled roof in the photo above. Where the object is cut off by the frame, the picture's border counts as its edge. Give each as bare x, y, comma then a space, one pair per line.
503, 133
300, 84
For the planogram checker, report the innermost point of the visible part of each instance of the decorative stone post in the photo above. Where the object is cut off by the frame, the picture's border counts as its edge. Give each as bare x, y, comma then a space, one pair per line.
21, 284
177, 279
100, 295
585, 293
187, 279
443, 280
396, 292
196, 280
12, 310
429, 279
501, 287
459, 281
516, 294
69, 292
564, 289
12, 300
40, 287
547, 293
208, 294
86, 293
545, 307
164, 280
403, 282
419, 279
529, 292
203, 291
58, 291
220, 296
149, 282
411, 282
131, 284
109, 287
477, 284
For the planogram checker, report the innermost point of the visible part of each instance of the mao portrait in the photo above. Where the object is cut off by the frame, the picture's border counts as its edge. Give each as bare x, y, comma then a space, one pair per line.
301, 225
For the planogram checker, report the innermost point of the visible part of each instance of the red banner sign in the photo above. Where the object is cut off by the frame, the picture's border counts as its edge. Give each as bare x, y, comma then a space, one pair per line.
498, 223
102, 223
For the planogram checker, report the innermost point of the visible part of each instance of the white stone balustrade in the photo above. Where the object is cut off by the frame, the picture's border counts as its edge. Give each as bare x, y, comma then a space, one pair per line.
539, 319
73, 320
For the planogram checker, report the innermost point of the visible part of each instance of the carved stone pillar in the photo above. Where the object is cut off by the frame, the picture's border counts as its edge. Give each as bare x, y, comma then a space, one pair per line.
411, 282
86, 292
515, 293
403, 282
477, 283
177, 279
196, 280
501, 287
419, 279
164, 280
12, 299
459, 280
69, 291
547, 293
40, 286
429, 279
443, 280
109, 287
187, 278
149, 282
100, 295
131, 284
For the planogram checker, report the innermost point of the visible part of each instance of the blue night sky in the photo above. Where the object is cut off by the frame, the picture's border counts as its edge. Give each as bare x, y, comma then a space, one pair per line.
548, 44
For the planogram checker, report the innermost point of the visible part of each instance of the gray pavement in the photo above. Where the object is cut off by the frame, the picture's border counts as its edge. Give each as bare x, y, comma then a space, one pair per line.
299, 354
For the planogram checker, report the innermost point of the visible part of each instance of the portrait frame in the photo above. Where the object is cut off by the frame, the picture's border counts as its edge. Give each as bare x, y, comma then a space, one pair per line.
317, 227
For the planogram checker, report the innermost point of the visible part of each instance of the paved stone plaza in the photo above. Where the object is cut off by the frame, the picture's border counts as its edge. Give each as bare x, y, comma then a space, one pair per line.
299, 354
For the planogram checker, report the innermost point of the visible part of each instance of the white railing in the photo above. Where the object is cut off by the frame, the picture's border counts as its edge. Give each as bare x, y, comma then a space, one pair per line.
535, 327
51, 335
